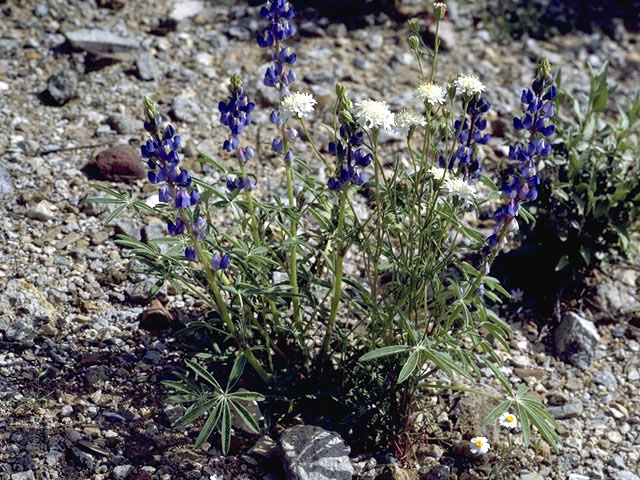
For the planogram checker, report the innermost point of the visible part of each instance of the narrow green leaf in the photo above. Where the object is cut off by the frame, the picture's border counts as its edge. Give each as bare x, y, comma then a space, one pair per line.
114, 213
206, 376
236, 371
246, 417
409, 366
496, 412
383, 352
562, 263
209, 425
524, 424
225, 428
195, 411
246, 396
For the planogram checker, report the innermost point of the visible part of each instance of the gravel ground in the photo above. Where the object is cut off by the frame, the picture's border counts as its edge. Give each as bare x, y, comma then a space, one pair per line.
79, 378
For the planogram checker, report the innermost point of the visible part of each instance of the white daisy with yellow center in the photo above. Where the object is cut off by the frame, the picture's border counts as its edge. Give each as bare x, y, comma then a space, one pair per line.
479, 445
508, 420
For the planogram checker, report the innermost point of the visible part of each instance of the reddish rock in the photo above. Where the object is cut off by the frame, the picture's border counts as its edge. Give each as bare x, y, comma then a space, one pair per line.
120, 163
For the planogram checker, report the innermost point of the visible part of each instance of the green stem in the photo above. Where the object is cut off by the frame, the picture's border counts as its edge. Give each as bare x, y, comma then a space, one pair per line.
339, 253
293, 272
313, 145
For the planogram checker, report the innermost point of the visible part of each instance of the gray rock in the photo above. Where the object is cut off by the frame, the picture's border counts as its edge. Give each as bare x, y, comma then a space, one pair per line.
6, 185
360, 63
185, 109
439, 472
8, 45
264, 448
66, 411
61, 87
171, 414
28, 475
183, 10
41, 211
576, 339
121, 472
617, 461
624, 475
575, 476
102, 42
129, 227
146, 66
570, 410
605, 378
376, 41
531, 476
53, 457
21, 332
469, 414
312, 453
124, 124
447, 35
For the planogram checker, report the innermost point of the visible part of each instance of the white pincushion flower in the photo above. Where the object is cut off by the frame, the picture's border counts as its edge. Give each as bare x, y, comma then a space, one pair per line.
508, 420
460, 188
479, 445
438, 173
431, 93
469, 85
297, 105
407, 118
374, 114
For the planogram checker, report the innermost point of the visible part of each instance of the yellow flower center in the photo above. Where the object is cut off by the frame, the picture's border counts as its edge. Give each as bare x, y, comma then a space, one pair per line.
478, 443
510, 418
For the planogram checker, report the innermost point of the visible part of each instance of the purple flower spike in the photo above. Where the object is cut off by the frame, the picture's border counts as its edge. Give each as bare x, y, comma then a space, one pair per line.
182, 199
220, 262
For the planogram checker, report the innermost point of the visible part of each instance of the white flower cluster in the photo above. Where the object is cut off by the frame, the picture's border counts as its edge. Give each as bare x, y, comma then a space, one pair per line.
374, 114
469, 85
438, 172
460, 188
297, 105
431, 93
407, 118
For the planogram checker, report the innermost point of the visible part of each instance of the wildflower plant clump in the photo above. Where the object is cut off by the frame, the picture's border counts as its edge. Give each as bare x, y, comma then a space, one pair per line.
284, 316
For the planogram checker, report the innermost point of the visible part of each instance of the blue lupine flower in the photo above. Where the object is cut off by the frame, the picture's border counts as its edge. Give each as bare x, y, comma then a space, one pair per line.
347, 151
469, 134
176, 228
279, 13
522, 185
182, 199
220, 262
235, 113
164, 194
191, 254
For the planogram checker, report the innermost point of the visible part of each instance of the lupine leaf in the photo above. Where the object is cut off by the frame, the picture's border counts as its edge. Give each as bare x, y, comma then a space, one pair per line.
383, 352
195, 411
209, 425
204, 374
225, 428
409, 366
496, 412
246, 417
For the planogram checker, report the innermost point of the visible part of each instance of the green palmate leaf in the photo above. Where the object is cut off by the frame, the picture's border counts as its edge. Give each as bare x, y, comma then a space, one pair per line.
383, 352
246, 417
210, 424
202, 373
246, 396
114, 213
443, 361
182, 398
236, 371
562, 263
524, 423
409, 366
180, 387
195, 411
225, 428
496, 412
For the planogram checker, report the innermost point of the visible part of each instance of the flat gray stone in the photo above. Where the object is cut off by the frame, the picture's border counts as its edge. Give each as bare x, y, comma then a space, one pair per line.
146, 66
101, 42
576, 340
186, 9
624, 475
6, 185
28, 475
570, 410
312, 453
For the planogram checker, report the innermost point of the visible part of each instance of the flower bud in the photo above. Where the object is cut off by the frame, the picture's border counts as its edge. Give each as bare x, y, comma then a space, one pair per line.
439, 9
414, 26
414, 42
544, 69
149, 109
